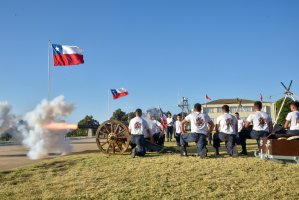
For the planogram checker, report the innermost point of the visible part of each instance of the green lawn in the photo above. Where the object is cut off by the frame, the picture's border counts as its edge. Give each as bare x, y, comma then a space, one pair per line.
157, 176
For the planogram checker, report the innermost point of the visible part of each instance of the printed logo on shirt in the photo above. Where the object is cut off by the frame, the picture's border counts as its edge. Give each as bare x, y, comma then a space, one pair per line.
262, 122
229, 123
137, 126
200, 122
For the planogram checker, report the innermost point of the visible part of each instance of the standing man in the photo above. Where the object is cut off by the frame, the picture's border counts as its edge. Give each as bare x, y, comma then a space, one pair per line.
178, 129
292, 119
138, 127
201, 125
226, 131
262, 126
240, 122
169, 126
240, 127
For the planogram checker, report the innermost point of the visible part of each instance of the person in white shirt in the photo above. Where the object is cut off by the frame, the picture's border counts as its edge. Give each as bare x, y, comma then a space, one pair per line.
201, 125
157, 130
226, 131
178, 130
169, 130
262, 126
292, 119
240, 122
240, 127
138, 128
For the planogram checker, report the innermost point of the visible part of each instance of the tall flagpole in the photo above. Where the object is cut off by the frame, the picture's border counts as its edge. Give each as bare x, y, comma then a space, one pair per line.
206, 104
49, 72
108, 101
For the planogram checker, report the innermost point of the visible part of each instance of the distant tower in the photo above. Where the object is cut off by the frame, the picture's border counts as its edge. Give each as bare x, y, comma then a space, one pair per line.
184, 105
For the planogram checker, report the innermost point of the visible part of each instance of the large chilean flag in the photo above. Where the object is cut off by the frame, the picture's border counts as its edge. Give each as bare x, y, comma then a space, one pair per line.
64, 55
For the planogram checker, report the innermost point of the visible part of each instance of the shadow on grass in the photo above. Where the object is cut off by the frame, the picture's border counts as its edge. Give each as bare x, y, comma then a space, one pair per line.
12, 156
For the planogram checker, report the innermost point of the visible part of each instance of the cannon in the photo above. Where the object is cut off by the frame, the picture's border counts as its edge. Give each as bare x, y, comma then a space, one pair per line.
112, 136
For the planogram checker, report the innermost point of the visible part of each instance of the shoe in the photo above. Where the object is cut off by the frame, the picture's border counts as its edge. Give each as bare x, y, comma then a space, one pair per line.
243, 153
235, 152
184, 152
217, 152
133, 152
204, 153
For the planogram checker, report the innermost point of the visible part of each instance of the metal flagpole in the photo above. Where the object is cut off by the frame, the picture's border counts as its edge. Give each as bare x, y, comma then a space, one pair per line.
206, 104
49, 72
108, 100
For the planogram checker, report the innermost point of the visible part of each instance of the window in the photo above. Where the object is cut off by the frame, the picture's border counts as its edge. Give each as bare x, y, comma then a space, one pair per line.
208, 110
233, 109
247, 109
219, 110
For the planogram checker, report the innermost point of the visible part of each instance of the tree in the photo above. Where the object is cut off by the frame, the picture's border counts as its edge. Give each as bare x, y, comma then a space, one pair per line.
119, 115
123, 117
88, 120
284, 111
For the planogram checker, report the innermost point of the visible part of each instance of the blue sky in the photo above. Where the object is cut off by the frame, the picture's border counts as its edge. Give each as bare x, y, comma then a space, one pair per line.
159, 50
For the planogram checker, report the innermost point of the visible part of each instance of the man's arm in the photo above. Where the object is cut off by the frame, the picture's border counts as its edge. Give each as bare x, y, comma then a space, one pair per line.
161, 128
211, 126
151, 139
183, 126
246, 124
287, 124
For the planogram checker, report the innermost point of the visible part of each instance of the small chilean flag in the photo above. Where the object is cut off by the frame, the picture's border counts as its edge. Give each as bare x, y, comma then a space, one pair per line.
64, 55
261, 97
118, 93
208, 98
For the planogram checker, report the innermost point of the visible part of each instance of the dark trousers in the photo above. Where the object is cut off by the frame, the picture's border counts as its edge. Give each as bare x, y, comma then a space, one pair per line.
169, 132
178, 138
293, 132
138, 142
159, 139
152, 147
243, 135
200, 139
229, 139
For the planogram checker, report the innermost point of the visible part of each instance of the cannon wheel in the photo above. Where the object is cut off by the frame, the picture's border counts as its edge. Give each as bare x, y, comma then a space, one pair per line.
113, 137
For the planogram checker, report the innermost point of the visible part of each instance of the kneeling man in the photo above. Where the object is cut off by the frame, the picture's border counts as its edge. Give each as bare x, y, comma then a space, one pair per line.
138, 127
226, 131
201, 125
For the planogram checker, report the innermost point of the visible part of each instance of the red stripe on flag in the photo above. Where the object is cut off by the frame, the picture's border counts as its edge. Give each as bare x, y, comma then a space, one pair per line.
119, 95
67, 59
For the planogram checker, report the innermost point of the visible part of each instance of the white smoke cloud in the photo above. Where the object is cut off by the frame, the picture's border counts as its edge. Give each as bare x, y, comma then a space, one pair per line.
7, 120
39, 140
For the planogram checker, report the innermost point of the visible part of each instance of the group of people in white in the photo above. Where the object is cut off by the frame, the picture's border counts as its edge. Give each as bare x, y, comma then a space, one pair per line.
229, 128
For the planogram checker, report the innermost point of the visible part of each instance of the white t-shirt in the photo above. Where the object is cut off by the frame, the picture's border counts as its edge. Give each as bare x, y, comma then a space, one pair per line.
138, 126
227, 123
169, 121
293, 117
199, 122
260, 121
240, 125
178, 126
155, 126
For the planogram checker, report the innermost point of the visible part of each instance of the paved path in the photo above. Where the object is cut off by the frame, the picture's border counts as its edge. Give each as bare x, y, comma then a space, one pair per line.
13, 155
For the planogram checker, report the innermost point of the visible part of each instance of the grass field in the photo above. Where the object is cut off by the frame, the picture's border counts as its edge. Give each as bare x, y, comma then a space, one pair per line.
157, 176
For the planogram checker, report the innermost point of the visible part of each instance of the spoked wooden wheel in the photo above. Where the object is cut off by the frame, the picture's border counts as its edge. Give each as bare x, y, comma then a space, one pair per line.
113, 137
